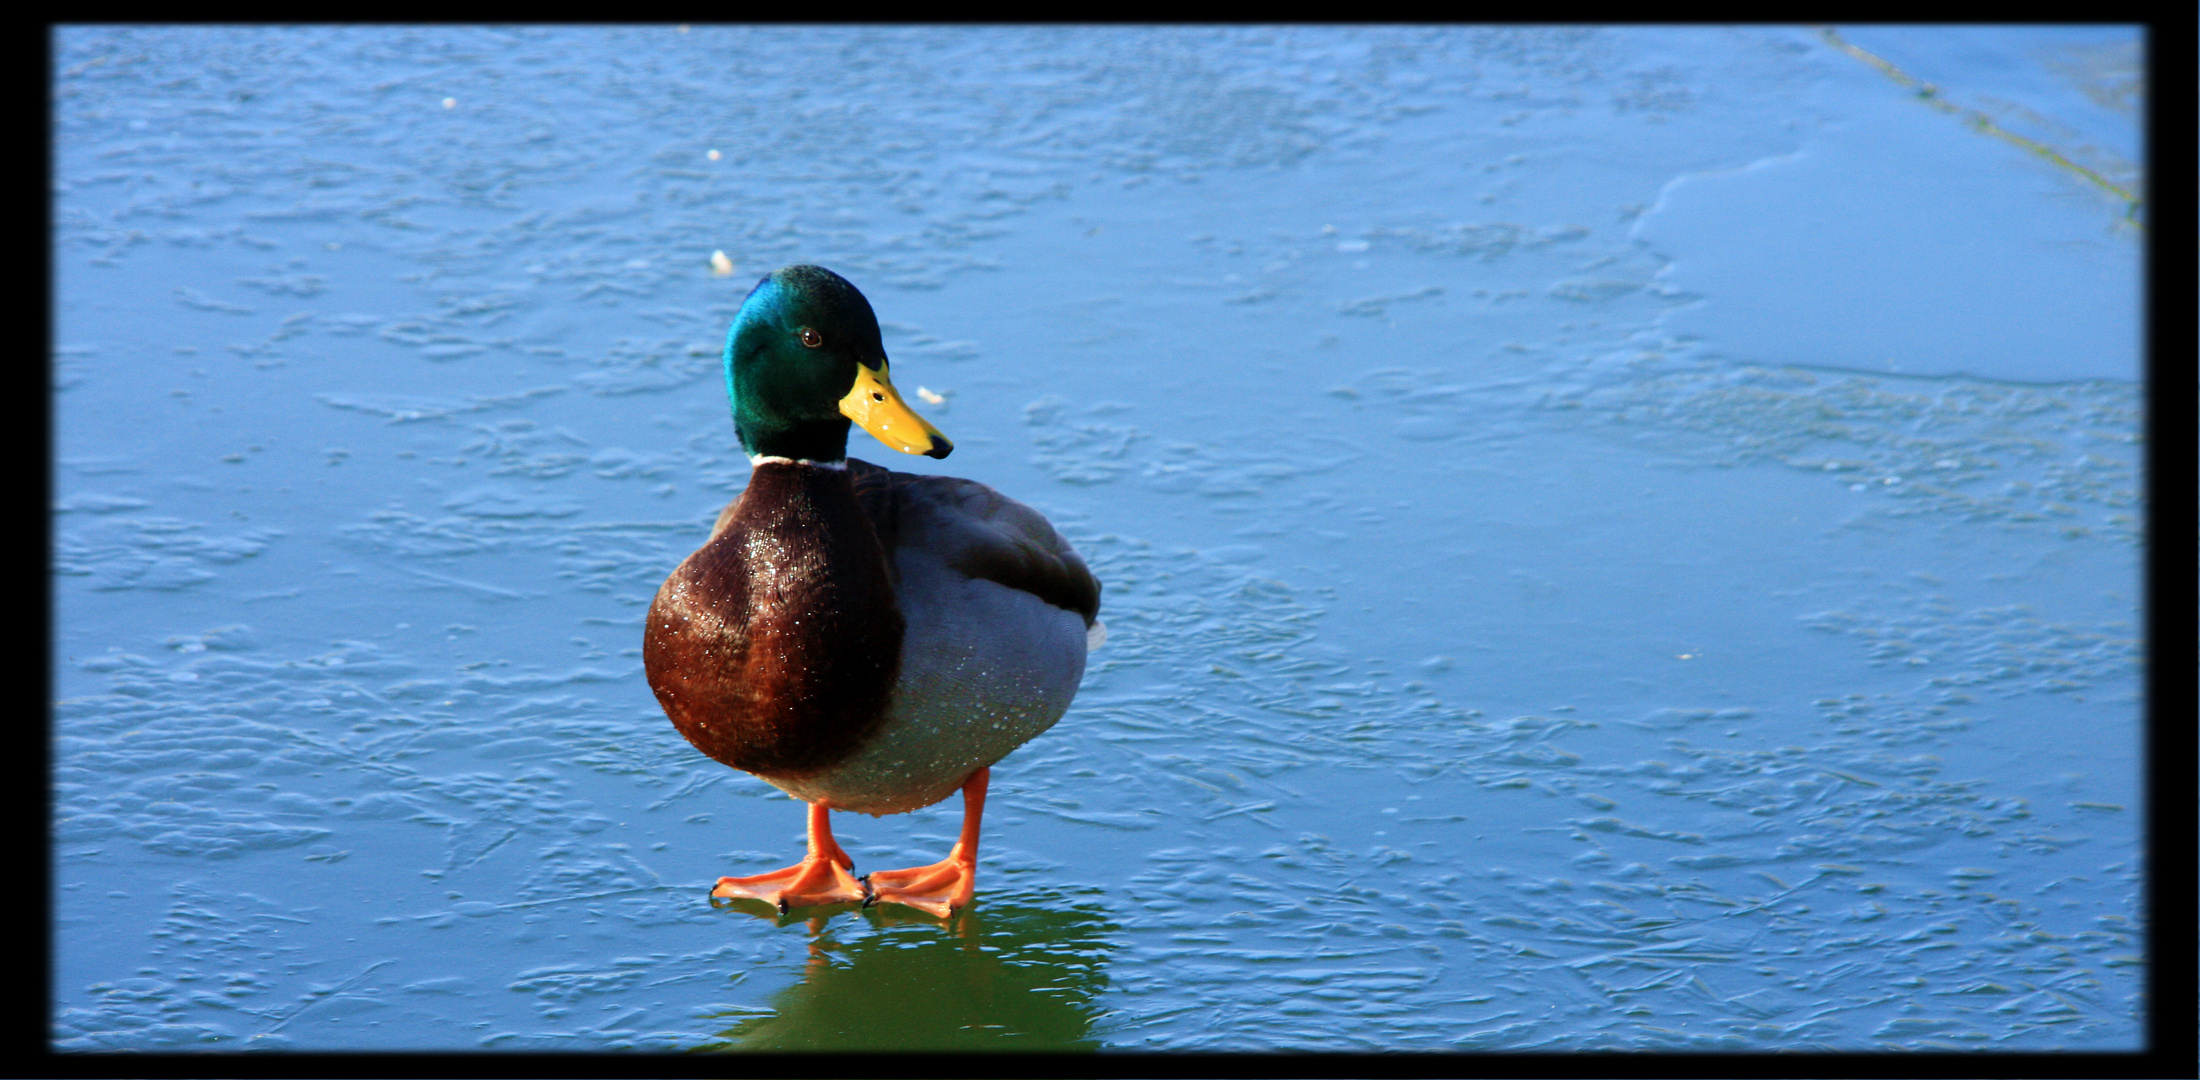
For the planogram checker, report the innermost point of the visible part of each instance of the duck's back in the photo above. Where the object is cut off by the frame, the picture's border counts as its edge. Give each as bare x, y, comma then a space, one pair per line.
997, 607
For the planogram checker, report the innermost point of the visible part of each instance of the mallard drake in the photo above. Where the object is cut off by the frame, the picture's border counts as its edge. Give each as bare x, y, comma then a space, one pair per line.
861, 639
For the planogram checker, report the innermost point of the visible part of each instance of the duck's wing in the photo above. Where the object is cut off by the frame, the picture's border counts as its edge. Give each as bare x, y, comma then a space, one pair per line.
976, 531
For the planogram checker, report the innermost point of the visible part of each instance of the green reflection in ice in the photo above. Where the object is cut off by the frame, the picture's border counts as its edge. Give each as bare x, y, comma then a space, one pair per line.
1018, 971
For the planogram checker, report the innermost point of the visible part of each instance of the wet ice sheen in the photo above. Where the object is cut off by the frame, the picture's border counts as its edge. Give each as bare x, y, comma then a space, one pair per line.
1513, 644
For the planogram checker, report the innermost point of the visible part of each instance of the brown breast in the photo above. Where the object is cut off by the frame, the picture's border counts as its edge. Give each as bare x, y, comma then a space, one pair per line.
775, 647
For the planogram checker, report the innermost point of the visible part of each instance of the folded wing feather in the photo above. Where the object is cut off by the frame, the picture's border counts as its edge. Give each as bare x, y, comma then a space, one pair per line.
977, 531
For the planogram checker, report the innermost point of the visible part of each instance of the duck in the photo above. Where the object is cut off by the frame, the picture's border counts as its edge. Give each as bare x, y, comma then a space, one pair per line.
862, 639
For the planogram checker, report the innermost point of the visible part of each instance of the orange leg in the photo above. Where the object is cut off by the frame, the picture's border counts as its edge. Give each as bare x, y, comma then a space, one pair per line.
820, 878
947, 885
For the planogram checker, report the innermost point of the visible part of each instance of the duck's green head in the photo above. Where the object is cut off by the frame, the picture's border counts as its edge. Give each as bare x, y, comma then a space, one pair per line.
802, 360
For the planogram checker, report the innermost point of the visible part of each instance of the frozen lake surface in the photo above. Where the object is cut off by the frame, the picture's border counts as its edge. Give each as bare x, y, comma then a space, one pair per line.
1612, 538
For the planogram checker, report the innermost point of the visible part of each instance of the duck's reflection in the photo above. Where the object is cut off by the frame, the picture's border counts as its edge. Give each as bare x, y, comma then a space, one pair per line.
1018, 971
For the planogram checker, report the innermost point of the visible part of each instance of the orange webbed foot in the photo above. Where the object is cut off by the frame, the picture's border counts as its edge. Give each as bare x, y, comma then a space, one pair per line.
941, 889
820, 878
808, 883
946, 886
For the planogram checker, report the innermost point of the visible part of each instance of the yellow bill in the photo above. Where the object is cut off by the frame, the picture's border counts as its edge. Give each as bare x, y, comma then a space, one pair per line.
873, 404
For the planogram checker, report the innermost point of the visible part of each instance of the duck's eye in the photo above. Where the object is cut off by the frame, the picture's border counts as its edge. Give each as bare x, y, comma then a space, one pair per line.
812, 338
